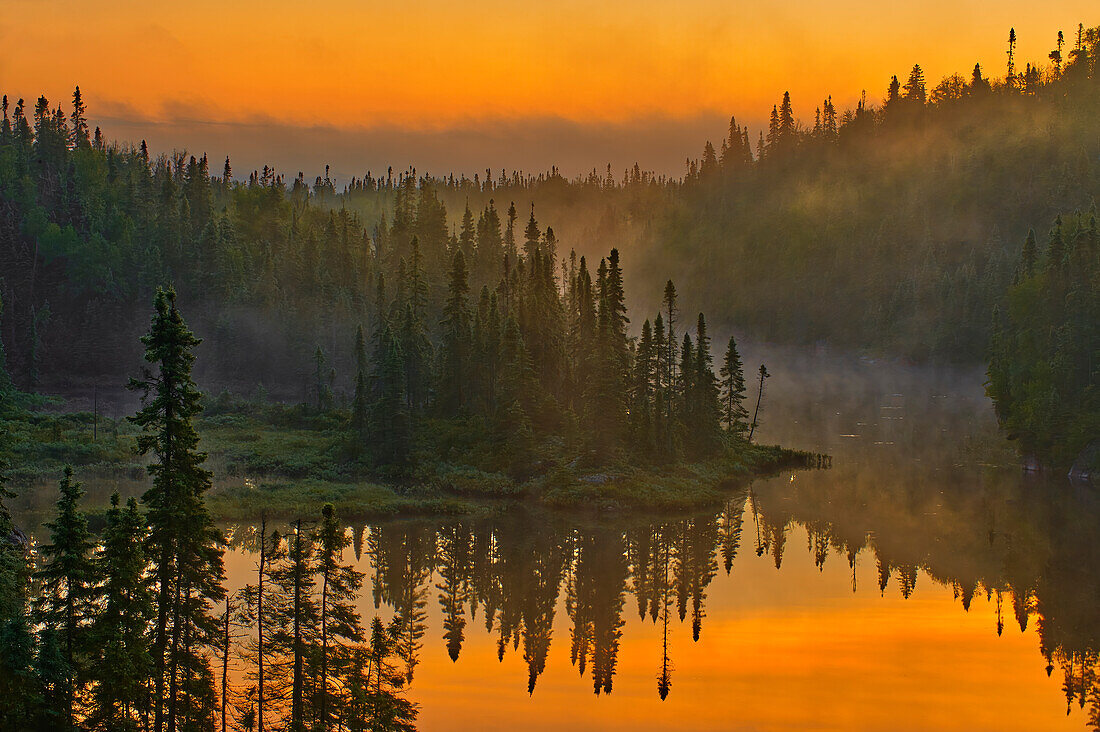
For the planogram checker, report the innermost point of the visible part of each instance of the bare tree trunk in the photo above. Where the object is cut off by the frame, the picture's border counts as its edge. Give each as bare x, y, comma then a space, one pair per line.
759, 395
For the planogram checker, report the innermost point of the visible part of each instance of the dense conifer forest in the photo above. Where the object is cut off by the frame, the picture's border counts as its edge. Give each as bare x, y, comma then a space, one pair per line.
434, 335
905, 220
894, 228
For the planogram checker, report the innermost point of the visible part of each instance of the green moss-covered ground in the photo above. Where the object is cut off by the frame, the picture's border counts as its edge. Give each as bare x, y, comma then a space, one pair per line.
287, 460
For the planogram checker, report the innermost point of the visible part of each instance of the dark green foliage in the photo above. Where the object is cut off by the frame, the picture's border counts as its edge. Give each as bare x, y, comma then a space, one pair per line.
296, 619
339, 621
454, 370
68, 578
1044, 364
120, 677
893, 229
184, 545
375, 686
18, 685
732, 385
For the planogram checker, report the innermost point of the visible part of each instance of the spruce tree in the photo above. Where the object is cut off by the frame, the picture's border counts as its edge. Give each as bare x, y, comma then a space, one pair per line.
121, 693
360, 399
389, 417
297, 619
387, 710
18, 683
732, 374
68, 578
455, 350
183, 543
339, 620
706, 427
531, 236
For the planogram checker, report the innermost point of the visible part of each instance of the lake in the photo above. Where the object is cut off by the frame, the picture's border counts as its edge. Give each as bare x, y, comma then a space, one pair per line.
922, 582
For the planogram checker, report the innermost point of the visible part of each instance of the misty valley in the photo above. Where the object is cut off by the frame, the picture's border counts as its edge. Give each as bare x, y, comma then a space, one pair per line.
805, 436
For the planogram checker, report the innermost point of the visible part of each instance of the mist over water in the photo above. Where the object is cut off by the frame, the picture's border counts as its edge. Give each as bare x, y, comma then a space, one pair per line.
921, 582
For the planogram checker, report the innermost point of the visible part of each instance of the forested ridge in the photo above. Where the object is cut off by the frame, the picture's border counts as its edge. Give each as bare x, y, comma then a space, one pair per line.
894, 228
268, 268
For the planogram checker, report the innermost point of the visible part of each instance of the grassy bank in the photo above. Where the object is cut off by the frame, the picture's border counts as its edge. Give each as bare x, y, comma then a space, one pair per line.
288, 460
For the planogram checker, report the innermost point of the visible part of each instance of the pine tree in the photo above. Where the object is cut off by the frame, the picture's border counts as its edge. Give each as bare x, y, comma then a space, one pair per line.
261, 607
642, 386
893, 94
531, 235
360, 400
686, 402
915, 87
1030, 254
759, 398
706, 428
184, 544
68, 579
78, 122
389, 416
455, 353
670, 362
121, 675
387, 710
510, 235
732, 376
297, 620
339, 620
19, 686
467, 238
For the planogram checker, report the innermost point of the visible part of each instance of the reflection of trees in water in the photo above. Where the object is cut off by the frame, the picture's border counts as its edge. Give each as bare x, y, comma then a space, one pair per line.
1028, 547
1030, 553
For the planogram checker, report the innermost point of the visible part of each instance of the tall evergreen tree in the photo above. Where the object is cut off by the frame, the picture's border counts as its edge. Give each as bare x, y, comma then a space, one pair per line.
455, 350
297, 619
184, 545
18, 683
339, 620
68, 579
732, 385
121, 693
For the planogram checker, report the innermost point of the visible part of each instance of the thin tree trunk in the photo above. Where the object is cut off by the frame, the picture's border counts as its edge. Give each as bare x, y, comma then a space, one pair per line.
164, 570
296, 712
161, 637
260, 624
173, 664
759, 395
324, 651
225, 663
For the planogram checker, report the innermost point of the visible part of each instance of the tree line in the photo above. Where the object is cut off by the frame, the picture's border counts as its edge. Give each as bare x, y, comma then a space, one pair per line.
891, 226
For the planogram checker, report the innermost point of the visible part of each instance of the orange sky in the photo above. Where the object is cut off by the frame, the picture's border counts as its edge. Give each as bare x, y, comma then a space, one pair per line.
426, 68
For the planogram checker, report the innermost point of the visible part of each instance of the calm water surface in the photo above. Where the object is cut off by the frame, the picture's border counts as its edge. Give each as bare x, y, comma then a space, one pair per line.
922, 583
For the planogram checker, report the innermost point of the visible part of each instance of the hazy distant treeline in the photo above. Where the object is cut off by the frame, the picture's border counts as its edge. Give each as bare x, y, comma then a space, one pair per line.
894, 228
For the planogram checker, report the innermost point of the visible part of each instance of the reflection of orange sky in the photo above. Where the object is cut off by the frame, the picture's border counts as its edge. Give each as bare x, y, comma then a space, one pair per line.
431, 64
793, 649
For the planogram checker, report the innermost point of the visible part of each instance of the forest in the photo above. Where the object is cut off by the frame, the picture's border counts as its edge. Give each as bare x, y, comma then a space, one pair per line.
894, 229
405, 344
1044, 368
124, 629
